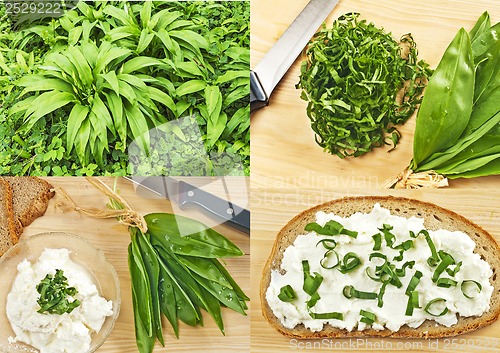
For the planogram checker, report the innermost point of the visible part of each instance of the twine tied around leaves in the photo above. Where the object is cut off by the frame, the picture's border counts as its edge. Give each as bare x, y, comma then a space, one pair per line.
408, 179
123, 211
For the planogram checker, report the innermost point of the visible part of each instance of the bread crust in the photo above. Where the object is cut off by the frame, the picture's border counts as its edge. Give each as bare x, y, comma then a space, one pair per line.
31, 197
435, 217
13, 228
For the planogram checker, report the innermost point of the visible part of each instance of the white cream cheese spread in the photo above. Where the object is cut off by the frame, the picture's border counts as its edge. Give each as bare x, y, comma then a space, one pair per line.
53, 333
464, 289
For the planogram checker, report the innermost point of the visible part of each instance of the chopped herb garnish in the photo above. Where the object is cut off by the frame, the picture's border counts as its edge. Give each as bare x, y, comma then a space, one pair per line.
433, 307
351, 80
287, 294
350, 292
470, 288
367, 317
54, 292
350, 262
330, 228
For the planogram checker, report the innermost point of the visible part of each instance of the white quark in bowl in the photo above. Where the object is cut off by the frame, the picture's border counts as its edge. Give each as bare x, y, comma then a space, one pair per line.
82, 330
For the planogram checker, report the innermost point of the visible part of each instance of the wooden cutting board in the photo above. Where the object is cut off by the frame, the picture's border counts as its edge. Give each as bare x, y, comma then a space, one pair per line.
113, 238
284, 151
272, 208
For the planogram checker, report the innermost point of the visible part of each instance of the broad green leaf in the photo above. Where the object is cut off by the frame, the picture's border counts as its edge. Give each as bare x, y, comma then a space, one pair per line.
120, 15
191, 86
82, 139
144, 40
139, 63
141, 284
483, 23
74, 35
454, 76
138, 127
164, 18
111, 78
102, 113
146, 14
150, 259
197, 41
199, 240
240, 119
122, 32
45, 104
115, 105
204, 268
168, 301
492, 168
216, 120
107, 55
80, 63
230, 75
78, 114
34, 83
189, 69
163, 98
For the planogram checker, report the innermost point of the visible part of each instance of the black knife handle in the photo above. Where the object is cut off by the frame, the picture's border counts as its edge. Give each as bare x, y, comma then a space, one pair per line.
258, 97
238, 217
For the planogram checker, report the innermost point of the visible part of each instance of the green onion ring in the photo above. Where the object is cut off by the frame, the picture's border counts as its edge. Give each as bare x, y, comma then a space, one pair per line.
446, 260
325, 241
326, 257
414, 281
465, 282
446, 282
326, 316
349, 262
367, 317
287, 294
350, 292
427, 308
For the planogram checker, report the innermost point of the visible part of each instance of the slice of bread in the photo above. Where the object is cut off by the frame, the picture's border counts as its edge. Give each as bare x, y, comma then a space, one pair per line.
10, 230
31, 196
435, 218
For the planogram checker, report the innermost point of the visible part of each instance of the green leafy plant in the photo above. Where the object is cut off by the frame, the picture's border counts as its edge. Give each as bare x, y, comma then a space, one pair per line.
177, 59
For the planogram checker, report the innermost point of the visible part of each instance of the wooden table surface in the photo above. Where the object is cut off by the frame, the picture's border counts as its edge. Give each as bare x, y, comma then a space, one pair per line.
272, 208
283, 148
113, 238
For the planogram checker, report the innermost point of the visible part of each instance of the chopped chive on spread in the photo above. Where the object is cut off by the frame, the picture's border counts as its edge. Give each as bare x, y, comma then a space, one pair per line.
367, 317
330, 228
433, 307
54, 292
350, 292
349, 262
470, 287
287, 294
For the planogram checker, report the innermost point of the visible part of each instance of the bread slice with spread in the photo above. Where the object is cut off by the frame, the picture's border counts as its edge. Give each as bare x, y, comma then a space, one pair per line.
431, 273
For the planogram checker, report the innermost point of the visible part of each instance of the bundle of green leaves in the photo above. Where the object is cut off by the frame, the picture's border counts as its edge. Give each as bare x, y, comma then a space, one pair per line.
458, 124
108, 72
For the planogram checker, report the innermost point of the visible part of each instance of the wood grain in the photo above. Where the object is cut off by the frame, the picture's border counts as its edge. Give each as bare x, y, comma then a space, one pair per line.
283, 148
113, 238
272, 208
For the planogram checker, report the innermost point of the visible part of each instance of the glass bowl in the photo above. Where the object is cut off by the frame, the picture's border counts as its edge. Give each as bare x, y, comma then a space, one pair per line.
81, 252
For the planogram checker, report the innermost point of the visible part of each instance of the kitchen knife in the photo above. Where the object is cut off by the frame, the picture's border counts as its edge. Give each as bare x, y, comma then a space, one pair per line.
273, 66
186, 195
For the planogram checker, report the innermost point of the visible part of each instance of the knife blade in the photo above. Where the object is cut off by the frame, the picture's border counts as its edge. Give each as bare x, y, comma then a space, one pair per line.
186, 195
276, 62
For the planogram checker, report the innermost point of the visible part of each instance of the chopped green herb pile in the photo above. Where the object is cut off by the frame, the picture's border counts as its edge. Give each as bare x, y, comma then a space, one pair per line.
54, 293
359, 83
